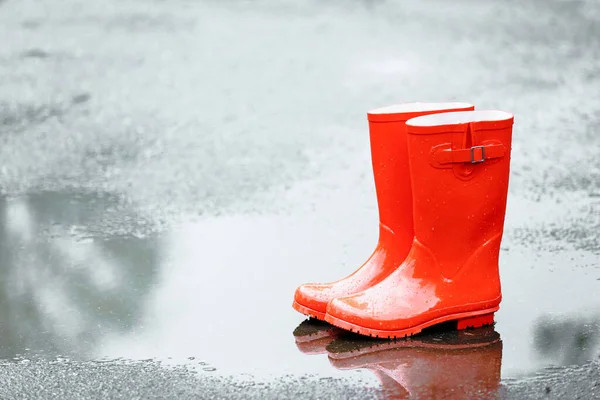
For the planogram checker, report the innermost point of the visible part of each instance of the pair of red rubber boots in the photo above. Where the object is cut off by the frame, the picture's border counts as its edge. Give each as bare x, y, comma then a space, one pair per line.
441, 176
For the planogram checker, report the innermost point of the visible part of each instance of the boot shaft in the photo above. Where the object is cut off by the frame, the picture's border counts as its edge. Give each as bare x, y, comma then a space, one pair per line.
389, 156
460, 164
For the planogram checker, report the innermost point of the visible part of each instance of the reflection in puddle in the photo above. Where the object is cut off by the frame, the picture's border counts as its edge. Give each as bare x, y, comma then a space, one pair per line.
312, 336
62, 286
435, 364
567, 341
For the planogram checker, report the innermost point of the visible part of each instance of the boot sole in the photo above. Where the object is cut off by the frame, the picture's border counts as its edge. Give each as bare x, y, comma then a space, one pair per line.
473, 319
308, 311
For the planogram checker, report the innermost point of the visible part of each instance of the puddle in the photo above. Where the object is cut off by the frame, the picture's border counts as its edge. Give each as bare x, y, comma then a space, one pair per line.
62, 284
215, 293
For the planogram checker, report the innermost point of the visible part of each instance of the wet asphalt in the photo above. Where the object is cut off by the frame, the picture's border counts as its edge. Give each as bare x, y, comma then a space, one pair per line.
171, 171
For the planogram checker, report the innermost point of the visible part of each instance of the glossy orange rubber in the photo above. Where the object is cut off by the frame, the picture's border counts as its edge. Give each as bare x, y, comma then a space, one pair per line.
389, 155
459, 165
461, 367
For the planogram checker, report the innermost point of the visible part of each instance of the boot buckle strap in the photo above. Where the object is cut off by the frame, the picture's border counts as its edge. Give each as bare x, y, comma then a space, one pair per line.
444, 154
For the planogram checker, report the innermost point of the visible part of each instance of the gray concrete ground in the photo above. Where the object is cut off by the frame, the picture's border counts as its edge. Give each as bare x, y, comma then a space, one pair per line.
171, 171
149, 380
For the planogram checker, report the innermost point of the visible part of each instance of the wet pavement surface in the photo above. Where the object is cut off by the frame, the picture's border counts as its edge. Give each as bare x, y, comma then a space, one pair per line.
171, 171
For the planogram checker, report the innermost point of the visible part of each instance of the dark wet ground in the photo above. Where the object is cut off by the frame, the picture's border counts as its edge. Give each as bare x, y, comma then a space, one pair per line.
171, 171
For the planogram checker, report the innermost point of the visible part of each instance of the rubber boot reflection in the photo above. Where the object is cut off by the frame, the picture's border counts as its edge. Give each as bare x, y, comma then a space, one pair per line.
312, 336
436, 365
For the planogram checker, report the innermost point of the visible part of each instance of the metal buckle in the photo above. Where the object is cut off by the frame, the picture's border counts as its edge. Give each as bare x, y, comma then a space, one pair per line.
473, 160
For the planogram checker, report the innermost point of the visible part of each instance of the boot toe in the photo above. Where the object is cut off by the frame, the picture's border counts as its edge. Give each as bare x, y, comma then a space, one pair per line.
352, 309
314, 296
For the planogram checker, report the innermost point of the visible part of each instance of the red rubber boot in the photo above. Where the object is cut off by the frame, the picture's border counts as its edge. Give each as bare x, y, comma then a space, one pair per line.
387, 130
459, 164
448, 365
